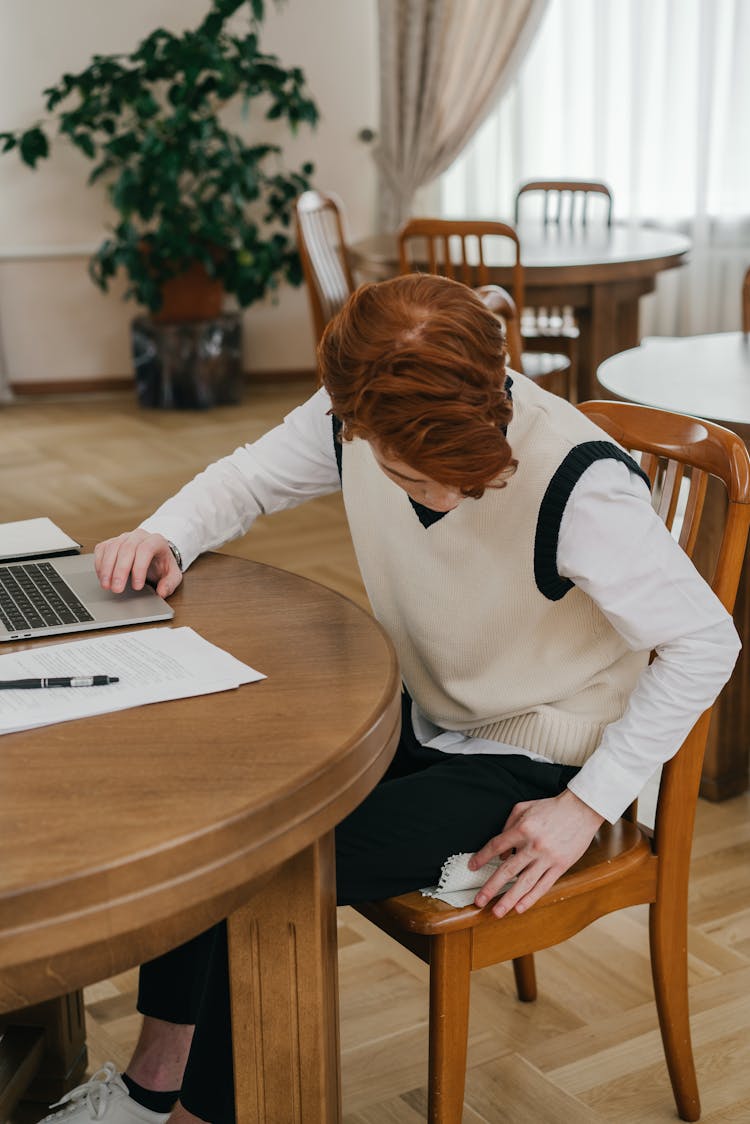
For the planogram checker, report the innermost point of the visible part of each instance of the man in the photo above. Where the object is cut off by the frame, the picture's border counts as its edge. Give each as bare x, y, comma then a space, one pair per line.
509, 548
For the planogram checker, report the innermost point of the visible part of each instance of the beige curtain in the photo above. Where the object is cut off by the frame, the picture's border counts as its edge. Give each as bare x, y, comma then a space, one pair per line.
443, 65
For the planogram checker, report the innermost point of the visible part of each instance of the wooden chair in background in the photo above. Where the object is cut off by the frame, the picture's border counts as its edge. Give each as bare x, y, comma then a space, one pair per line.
565, 202
501, 303
322, 250
746, 303
626, 865
560, 203
458, 250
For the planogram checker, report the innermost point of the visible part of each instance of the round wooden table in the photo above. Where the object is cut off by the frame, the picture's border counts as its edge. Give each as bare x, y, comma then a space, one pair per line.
602, 272
709, 377
126, 834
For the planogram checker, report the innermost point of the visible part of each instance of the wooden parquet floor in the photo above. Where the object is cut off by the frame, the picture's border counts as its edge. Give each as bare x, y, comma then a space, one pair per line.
588, 1051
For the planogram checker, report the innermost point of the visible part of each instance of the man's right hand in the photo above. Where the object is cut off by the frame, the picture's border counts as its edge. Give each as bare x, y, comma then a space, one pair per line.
140, 556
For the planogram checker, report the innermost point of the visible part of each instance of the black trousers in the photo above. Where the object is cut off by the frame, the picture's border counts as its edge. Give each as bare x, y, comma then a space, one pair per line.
429, 805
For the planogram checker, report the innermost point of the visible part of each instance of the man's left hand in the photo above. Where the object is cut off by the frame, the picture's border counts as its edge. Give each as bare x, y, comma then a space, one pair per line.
540, 841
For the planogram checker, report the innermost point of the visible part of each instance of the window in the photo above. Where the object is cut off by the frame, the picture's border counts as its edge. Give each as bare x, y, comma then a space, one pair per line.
652, 96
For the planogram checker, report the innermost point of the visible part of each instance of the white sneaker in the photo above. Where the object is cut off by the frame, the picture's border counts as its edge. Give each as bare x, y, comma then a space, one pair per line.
106, 1094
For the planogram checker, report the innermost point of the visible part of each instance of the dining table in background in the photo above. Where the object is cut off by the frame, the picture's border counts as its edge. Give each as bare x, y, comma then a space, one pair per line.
126, 834
602, 272
708, 377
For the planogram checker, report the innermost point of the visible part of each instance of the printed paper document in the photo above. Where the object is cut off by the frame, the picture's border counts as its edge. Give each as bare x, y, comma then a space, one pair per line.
152, 664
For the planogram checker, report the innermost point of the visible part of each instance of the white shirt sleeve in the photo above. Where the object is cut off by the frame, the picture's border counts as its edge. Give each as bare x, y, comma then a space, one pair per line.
616, 549
293, 462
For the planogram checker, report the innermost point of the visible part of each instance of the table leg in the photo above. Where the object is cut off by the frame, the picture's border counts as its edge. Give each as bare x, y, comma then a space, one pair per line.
597, 340
283, 971
609, 326
628, 325
60, 1060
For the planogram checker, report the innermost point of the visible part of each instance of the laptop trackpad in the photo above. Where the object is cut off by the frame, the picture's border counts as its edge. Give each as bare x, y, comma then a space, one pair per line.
104, 605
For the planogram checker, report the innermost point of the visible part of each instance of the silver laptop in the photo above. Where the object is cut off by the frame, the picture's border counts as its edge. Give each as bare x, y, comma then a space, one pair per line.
50, 596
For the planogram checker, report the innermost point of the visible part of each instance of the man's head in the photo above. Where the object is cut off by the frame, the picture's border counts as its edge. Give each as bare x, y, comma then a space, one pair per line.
416, 366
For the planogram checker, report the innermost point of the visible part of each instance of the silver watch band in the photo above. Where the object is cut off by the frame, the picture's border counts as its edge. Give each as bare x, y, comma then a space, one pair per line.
176, 554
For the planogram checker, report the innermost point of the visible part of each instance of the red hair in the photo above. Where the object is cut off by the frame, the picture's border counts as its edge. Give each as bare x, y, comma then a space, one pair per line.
418, 364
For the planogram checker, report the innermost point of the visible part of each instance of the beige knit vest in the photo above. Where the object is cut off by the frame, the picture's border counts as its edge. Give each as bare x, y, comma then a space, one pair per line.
481, 648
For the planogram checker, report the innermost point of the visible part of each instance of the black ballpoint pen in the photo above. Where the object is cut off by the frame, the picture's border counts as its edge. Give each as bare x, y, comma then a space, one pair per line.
64, 681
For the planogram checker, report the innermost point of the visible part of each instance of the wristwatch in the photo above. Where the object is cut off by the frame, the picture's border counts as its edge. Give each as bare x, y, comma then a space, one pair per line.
175, 553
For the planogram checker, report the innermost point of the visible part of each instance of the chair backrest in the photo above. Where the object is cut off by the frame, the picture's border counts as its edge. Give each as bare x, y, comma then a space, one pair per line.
501, 303
322, 250
565, 201
680, 454
458, 249
746, 303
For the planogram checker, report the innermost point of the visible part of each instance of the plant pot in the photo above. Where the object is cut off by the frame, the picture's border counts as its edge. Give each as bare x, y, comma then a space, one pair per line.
188, 364
192, 295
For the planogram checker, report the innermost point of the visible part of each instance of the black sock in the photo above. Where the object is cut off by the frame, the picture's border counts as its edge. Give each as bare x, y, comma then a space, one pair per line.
147, 1098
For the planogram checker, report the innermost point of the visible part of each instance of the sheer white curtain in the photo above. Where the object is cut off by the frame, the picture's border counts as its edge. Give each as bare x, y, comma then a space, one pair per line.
652, 96
442, 64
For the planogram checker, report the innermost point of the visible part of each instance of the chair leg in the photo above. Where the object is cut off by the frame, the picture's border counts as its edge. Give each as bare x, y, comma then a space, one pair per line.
525, 973
572, 387
450, 984
668, 937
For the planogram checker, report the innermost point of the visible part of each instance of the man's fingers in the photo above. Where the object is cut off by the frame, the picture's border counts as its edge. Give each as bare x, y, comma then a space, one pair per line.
526, 892
107, 558
147, 552
493, 886
499, 845
167, 586
122, 566
543, 885
169, 582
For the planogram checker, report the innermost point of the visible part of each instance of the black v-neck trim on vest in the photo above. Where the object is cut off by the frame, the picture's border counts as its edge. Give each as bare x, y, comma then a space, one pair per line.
549, 582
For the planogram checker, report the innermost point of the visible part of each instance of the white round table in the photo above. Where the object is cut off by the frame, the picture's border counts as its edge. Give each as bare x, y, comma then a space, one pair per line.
708, 376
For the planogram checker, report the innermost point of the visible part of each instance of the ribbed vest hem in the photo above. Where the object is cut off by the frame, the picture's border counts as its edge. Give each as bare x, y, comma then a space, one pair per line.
564, 738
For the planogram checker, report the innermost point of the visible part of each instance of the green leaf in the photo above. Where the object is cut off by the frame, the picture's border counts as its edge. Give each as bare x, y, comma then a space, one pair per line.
33, 146
84, 142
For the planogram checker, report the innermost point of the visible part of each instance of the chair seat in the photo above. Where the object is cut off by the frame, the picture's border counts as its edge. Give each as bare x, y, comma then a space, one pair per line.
618, 850
537, 328
539, 363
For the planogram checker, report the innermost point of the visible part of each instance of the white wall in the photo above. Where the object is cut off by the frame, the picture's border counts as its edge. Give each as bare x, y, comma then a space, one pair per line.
54, 323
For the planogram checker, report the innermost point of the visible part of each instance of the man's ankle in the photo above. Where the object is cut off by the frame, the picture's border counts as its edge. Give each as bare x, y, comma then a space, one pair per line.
160, 1056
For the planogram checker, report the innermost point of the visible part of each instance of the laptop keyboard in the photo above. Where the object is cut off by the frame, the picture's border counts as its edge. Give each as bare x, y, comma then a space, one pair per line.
33, 595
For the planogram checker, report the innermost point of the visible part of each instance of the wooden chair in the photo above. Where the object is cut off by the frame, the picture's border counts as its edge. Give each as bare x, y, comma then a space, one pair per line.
626, 864
322, 250
458, 250
746, 303
546, 370
563, 203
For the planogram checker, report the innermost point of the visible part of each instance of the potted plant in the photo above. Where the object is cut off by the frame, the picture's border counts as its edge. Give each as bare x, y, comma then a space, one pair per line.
201, 211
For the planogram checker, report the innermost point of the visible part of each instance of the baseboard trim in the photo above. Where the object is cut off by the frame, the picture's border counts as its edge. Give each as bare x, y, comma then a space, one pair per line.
126, 382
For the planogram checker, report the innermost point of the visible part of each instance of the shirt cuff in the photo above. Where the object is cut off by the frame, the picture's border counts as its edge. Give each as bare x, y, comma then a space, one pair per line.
605, 786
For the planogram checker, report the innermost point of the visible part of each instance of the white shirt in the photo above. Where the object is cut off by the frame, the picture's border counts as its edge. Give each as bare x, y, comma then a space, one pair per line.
612, 545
